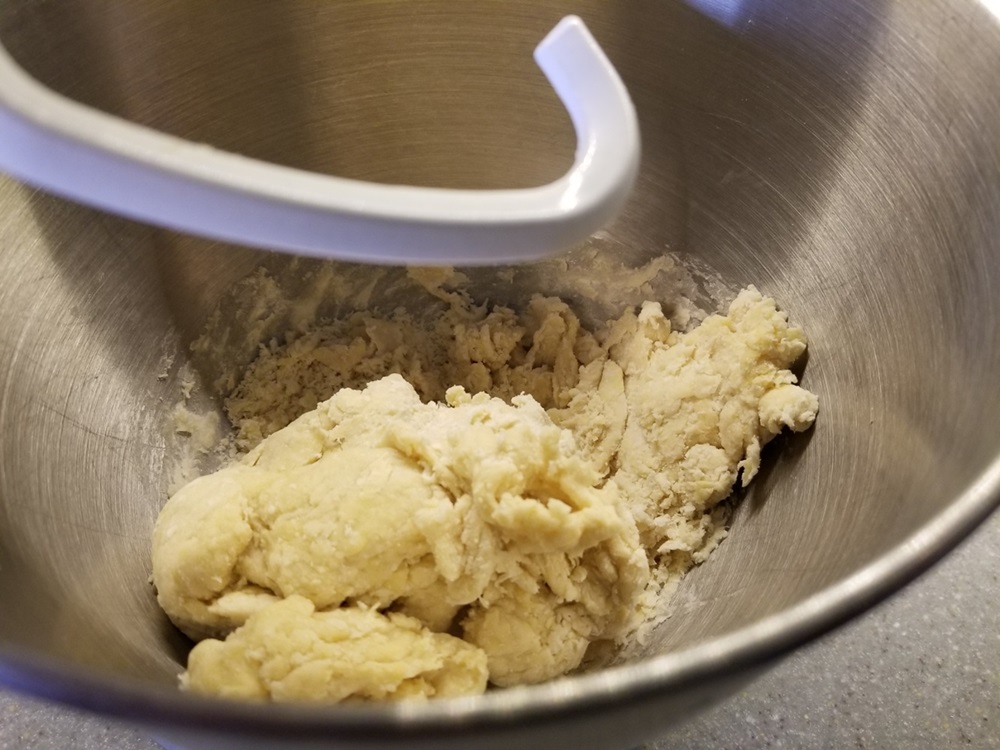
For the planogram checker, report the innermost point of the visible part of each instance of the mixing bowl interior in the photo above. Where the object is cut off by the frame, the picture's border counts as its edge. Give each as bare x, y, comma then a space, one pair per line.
843, 157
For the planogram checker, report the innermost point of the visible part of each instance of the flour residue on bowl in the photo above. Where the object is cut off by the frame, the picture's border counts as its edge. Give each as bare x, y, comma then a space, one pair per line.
541, 523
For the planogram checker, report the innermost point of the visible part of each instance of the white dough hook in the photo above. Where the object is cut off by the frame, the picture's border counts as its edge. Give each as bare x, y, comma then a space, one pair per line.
89, 156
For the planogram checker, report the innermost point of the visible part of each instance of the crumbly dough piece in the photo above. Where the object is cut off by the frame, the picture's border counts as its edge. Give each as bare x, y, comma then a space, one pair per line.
698, 408
290, 652
524, 524
378, 500
483, 350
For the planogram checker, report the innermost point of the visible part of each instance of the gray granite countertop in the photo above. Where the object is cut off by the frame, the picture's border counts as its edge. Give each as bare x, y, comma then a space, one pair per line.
920, 671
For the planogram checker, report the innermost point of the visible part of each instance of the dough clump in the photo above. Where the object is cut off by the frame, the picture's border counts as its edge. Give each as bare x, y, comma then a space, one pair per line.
473, 515
491, 498
291, 652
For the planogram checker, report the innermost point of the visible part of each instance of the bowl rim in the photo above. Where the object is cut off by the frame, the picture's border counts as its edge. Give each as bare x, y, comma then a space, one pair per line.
751, 647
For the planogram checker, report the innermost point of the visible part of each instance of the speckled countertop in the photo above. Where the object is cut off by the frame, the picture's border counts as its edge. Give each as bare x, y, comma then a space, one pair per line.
920, 671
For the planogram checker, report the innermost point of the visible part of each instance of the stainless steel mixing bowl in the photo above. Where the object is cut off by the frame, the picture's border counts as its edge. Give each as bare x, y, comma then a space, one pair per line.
843, 156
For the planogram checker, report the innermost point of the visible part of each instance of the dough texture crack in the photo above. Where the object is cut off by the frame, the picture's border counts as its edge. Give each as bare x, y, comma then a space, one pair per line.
491, 498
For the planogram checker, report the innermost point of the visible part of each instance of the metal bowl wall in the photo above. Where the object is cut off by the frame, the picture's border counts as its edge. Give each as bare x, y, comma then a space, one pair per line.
842, 156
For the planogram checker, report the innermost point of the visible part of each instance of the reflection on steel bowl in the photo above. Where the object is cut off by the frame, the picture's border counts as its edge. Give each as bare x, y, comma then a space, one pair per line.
843, 157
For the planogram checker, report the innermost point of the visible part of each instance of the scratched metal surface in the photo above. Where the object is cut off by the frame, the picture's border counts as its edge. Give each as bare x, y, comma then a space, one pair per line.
845, 157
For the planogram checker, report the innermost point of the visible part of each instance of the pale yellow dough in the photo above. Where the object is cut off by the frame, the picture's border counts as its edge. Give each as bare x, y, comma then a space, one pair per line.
290, 652
378, 500
504, 536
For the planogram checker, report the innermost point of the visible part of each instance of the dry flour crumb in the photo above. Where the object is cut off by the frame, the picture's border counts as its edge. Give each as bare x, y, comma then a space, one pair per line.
533, 487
